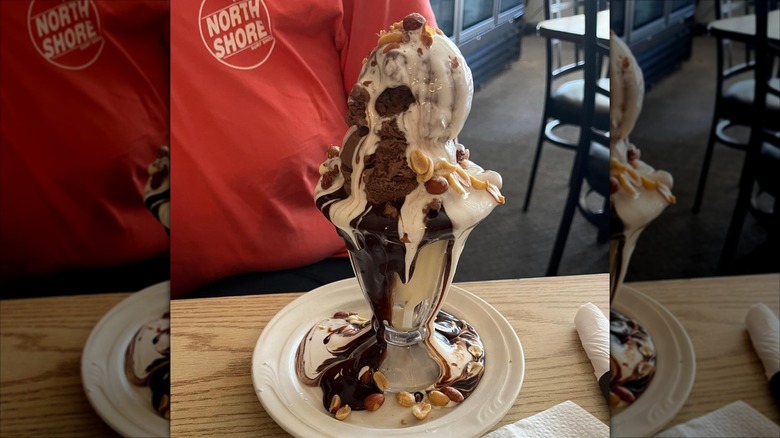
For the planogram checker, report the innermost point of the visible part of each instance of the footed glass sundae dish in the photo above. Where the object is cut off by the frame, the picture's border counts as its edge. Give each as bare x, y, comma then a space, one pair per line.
638, 195
404, 195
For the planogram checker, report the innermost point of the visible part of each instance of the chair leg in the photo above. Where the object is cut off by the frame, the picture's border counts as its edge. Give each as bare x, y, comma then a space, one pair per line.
727, 256
575, 185
535, 165
705, 167
603, 235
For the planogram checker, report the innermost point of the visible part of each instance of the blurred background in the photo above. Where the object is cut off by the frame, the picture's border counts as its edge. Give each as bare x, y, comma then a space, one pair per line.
679, 61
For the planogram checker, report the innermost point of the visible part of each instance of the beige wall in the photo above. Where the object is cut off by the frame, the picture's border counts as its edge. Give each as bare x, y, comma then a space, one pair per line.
534, 11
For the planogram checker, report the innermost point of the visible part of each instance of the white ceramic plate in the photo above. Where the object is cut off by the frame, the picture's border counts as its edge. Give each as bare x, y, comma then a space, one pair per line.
675, 368
123, 406
298, 408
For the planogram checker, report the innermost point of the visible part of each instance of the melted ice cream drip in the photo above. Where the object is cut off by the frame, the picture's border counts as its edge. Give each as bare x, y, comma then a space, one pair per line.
337, 351
632, 355
147, 361
157, 192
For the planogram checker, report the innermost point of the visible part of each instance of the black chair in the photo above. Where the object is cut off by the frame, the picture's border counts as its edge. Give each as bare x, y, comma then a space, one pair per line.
564, 89
734, 93
590, 171
762, 158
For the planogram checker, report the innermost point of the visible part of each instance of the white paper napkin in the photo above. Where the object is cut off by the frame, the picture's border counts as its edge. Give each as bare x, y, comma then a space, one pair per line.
565, 420
593, 328
764, 329
734, 420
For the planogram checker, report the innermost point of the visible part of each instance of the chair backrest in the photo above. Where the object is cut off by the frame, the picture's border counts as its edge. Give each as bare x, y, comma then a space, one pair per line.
562, 8
769, 52
588, 134
731, 9
565, 58
763, 130
593, 52
558, 9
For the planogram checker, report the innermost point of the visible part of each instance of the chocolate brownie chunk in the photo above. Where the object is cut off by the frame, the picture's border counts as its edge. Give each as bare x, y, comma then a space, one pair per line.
356, 106
394, 101
388, 176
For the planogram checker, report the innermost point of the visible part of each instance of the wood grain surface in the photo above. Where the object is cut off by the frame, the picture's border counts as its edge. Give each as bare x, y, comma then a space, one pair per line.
712, 311
41, 341
213, 340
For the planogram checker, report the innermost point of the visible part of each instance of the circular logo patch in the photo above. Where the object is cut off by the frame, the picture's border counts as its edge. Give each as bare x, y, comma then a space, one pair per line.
66, 33
237, 32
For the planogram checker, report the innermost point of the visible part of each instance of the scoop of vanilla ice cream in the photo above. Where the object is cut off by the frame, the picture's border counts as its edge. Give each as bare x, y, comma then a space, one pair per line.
627, 89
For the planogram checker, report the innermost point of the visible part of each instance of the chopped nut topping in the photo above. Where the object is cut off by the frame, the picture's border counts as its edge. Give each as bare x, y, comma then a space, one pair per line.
327, 180
333, 151
413, 21
367, 377
420, 163
388, 37
629, 179
493, 190
453, 393
436, 185
455, 184
374, 401
443, 167
391, 46
343, 412
474, 368
335, 404
438, 398
624, 393
381, 380
426, 35
478, 183
421, 410
405, 399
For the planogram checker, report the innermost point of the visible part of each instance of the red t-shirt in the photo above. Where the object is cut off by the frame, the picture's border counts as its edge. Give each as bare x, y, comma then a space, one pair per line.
84, 107
259, 92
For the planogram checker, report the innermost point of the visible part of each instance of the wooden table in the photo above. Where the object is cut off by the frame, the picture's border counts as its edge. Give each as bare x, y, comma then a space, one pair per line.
213, 340
713, 310
572, 28
41, 340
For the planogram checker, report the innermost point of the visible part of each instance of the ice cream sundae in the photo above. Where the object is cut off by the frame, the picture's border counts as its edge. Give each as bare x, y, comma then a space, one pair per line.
157, 192
148, 362
404, 195
638, 194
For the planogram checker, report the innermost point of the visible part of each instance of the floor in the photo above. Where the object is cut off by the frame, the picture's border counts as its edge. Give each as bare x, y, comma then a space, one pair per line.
501, 134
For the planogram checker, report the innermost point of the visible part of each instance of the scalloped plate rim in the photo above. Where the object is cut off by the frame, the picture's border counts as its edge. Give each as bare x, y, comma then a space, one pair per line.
681, 382
102, 390
297, 417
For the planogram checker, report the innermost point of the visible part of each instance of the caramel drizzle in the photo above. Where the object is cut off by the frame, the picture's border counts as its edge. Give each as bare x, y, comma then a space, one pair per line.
456, 175
630, 179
